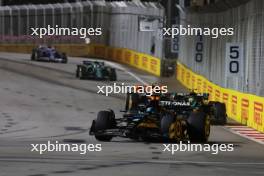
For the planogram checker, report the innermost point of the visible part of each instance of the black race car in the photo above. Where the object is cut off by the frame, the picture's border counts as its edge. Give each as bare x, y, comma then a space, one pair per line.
95, 70
170, 117
216, 110
48, 54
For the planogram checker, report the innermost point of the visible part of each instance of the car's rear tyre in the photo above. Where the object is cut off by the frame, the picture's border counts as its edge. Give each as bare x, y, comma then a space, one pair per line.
80, 73
105, 120
132, 101
165, 123
112, 75
65, 61
198, 127
77, 73
219, 113
33, 55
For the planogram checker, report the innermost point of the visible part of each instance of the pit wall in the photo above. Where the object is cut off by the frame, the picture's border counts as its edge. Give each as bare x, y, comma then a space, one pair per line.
129, 57
244, 108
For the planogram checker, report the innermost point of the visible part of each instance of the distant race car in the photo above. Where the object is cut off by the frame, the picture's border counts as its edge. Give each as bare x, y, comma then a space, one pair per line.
48, 54
169, 117
95, 70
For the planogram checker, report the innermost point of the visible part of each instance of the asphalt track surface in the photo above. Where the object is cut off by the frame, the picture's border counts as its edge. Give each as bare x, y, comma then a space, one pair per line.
44, 101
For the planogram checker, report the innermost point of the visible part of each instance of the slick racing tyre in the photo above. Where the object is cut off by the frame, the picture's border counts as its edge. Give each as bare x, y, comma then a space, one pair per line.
79, 73
112, 74
65, 58
105, 120
132, 101
165, 123
34, 55
219, 113
198, 127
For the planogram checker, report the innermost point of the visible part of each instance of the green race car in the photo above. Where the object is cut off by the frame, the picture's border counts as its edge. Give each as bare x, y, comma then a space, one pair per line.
95, 70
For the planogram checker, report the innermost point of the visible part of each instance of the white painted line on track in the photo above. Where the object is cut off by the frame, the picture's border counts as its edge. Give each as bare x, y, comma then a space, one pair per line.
128, 72
117, 66
41, 160
204, 162
74, 59
137, 78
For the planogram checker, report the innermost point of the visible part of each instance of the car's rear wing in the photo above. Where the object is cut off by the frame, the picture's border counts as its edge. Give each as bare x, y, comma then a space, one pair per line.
87, 62
205, 96
182, 99
167, 103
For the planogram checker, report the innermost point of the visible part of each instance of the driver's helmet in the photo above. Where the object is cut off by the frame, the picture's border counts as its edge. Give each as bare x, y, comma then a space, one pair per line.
150, 110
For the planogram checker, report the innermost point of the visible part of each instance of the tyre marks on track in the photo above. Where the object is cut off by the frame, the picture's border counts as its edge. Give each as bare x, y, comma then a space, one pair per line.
155, 153
43, 99
8, 122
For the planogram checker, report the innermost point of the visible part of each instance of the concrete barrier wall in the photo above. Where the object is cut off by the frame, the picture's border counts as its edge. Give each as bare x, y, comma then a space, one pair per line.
245, 108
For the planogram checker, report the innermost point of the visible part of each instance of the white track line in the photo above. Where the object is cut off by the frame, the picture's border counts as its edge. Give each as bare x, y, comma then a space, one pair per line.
118, 66
138, 161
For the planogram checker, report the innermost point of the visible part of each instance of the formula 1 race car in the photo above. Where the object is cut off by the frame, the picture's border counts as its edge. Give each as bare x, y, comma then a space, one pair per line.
48, 54
95, 70
216, 110
169, 117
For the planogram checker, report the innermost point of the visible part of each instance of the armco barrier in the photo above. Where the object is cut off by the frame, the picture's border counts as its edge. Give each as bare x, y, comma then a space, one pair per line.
244, 108
122, 55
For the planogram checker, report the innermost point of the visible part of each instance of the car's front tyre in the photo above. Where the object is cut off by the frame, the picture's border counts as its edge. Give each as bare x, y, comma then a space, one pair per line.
112, 75
105, 120
34, 55
65, 58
